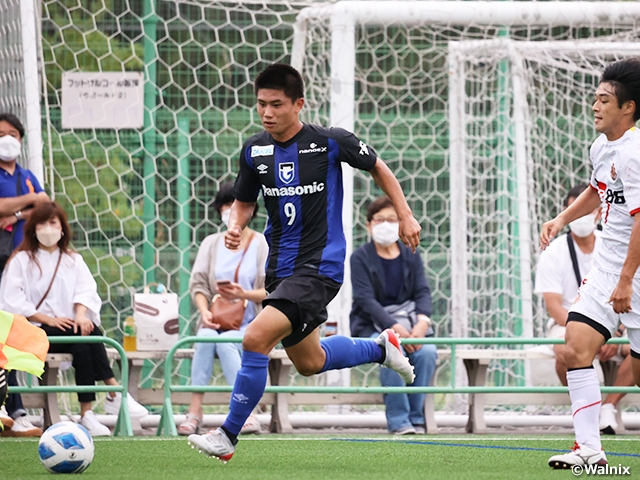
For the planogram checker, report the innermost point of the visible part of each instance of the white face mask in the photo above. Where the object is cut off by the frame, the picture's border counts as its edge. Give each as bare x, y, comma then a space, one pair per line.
385, 233
584, 226
224, 216
10, 148
48, 235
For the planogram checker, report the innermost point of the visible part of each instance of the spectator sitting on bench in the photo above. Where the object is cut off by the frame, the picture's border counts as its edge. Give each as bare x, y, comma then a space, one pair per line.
20, 191
557, 279
52, 286
215, 263
390, 291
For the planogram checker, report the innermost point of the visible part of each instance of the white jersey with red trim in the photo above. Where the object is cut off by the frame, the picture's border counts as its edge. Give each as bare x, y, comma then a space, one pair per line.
616, 178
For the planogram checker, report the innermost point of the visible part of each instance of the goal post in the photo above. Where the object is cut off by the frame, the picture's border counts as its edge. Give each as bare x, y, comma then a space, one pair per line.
482, 157
139, 200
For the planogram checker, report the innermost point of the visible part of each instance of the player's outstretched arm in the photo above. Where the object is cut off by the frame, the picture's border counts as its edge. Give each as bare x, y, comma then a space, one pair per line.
241, 213
586, 203
621, 297
409, 226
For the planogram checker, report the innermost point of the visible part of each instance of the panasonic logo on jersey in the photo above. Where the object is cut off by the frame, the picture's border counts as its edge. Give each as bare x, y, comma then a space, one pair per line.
291, 191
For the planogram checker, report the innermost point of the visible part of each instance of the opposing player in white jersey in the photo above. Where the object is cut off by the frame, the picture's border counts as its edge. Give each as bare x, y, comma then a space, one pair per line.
611, 290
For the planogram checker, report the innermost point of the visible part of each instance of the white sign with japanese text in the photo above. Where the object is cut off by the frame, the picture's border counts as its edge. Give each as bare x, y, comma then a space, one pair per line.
102, 100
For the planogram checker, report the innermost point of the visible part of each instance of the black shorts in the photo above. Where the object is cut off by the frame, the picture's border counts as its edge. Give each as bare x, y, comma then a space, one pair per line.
303, 299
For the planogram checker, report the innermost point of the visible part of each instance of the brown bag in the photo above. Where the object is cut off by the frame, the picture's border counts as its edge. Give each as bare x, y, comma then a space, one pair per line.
229, 313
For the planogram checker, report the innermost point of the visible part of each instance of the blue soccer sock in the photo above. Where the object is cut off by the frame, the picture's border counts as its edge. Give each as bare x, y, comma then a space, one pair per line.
247, 391
344, 352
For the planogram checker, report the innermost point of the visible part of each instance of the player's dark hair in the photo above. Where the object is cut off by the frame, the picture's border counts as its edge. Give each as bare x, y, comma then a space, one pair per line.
575, 192
624, 76
225, 197
11, 119
285, 78
377, 205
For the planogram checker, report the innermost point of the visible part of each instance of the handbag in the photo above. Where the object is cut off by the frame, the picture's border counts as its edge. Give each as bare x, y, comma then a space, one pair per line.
230, 313
156, 316
405, 315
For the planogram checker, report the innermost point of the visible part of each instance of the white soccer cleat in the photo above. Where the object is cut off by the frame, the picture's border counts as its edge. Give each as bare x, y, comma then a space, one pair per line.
394, 358
213, 444
608, 423
578, 456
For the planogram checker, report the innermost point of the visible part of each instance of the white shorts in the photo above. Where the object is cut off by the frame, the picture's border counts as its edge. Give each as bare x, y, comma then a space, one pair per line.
593, 303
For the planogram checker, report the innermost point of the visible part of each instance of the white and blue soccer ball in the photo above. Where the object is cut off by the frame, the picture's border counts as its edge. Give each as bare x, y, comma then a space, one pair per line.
66, 447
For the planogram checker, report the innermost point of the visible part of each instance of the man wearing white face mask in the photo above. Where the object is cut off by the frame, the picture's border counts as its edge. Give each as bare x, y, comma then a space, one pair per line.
558, 277
19, 193
390, 291
20, 190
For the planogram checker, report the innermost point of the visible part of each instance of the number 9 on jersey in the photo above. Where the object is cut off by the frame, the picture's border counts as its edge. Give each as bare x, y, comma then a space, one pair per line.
290, 212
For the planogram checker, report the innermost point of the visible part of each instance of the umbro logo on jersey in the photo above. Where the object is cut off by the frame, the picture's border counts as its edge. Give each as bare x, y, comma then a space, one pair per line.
286, 172
313, 148
261, 150
363, 148
262, 168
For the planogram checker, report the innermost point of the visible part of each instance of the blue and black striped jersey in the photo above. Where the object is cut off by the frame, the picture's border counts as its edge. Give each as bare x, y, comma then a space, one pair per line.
301, 183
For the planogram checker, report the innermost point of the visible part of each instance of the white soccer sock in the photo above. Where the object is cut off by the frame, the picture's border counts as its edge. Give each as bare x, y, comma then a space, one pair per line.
584, 390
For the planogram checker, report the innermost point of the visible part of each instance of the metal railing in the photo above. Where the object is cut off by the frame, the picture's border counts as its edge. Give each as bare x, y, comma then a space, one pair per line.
168, 426
123, 423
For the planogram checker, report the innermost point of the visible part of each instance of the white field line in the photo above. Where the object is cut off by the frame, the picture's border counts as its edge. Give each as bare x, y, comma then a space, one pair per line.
331, 438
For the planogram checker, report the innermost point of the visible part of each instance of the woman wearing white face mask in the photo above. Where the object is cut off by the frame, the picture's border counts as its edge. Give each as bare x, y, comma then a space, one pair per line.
390, 291
214, 272
52, 286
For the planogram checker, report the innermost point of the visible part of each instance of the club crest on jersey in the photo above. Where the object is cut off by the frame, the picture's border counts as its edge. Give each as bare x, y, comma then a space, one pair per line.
614, 174
261, 150
286, 172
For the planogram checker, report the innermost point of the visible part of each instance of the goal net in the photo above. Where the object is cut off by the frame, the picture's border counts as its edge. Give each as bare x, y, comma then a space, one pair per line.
139, 200
483, 111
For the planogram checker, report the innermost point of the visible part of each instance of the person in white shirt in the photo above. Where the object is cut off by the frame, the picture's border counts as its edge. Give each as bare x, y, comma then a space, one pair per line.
557, 280
610, 293
51, 286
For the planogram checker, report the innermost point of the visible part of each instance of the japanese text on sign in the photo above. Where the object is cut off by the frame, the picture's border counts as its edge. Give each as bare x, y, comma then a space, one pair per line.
102, 100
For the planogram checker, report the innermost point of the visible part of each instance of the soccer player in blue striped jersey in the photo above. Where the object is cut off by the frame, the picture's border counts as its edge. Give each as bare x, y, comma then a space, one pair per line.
297, 168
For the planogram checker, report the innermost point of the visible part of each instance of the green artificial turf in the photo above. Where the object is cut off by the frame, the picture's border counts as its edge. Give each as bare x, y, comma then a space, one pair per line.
324, 457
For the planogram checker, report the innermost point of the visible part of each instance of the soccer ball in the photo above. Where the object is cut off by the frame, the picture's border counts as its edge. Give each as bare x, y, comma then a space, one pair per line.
66, 447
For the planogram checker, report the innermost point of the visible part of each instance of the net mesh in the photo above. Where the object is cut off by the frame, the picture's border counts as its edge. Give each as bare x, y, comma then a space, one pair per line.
140, 200
12, 95
402, 108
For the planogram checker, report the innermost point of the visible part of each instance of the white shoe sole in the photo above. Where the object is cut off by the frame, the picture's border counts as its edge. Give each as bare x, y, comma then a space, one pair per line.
199, 443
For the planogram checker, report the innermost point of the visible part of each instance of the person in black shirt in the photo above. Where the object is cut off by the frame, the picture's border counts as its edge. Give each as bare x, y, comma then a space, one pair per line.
298, 169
